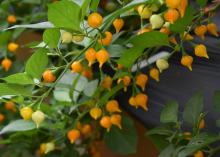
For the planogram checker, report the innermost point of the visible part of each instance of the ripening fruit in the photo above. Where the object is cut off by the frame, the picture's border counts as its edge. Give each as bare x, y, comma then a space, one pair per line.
95, 20
42, 148
187, 36
87, 73
2, 117
116, 120
77, 38
199, 154
107, 83
86, 130
182, 7
202, 124
73, 135
106, 123
106, 41
90, 56
76, 67
144, 12
173, 40
48, 76
187, 61
132, 102
12, 47
110, 6
165, 30
6, 64
66, 37
200, 31
141, 80
200, 51
142, 31
95, 113
212, 29
126, 80
166, 24
171, 15
154, 74
10, 106
156, 21
162, 64
49, 147
102, 56
142, 100
188, 135
38, 117
26, 113
112, 106
119, 66
78, 125
11, 19
118, 24
173, 3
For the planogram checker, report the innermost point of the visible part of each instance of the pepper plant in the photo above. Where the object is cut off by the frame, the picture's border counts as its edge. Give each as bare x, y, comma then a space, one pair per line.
66, 94
17, 12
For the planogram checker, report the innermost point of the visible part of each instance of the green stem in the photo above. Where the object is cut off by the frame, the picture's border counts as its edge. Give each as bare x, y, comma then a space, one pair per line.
42, 97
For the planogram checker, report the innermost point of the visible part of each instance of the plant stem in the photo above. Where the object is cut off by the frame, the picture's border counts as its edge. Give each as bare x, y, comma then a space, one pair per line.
42, 97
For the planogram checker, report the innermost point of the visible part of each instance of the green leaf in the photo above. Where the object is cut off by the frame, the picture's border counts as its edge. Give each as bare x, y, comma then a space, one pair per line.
197, 143
5, 37
170, 113
65, 14
150, 39
32, 1
61, 94
122, 141
216, 100
116, 50
168, 151
85, 8
193, 108
37, 63
94, 5
181, 24
130, 56
51, 37
202, 139
202, 3
18, 125
19, 78
13, 89
41, 25
140, 43
160, 131
159, 141
65, 91
91, 88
